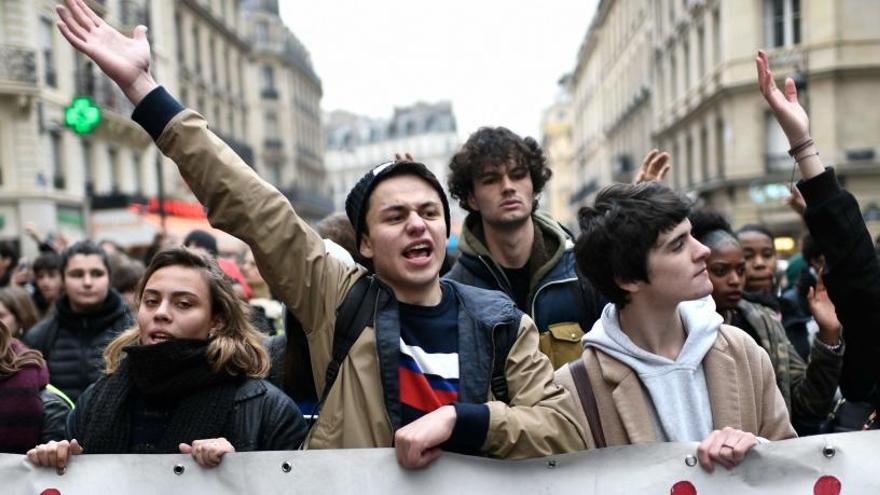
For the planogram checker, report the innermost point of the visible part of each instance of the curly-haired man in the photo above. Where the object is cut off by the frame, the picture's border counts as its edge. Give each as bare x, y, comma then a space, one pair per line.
507, 245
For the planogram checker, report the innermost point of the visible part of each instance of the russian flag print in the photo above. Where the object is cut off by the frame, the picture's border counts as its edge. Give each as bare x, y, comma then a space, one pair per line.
428, 380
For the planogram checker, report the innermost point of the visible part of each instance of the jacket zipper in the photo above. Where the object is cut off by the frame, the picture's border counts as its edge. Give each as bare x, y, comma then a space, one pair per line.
548, 284
505, 284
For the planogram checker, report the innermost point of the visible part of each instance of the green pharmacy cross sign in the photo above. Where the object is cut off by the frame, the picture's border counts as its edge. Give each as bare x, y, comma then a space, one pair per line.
82, 115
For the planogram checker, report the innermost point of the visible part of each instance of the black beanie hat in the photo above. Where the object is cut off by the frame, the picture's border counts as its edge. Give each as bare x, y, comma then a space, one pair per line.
356, 202
203, 239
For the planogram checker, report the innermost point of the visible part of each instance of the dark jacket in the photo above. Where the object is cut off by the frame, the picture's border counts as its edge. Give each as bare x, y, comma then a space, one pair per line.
55, 411
72, 343
263, 418
563, 305
852, 276
807, 389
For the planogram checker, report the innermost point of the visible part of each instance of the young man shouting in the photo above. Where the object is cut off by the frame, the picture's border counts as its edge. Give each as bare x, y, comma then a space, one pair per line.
418, 375
660, 363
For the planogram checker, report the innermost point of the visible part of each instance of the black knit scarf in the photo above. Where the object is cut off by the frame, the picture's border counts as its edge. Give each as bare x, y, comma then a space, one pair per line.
173, 372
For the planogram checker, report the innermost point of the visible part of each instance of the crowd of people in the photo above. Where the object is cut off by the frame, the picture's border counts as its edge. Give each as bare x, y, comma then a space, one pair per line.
656, 322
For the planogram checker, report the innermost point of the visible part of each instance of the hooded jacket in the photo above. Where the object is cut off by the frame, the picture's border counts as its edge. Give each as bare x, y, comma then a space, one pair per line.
562, 304
740, 383
73, 343
361, 407
677, 388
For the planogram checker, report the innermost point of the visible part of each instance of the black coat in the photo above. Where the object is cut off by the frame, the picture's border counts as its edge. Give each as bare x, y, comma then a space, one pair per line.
263, 418
852, 276
73, 343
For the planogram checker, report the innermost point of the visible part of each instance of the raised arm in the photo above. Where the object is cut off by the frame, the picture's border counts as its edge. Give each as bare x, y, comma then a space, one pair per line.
852, 271
289, 254
125, 60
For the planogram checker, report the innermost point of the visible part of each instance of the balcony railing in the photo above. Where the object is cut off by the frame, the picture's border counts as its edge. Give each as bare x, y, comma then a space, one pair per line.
18, 65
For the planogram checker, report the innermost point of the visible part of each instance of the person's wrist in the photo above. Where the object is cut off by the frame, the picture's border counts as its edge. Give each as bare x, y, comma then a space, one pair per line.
829, 337
140, 88
796, 140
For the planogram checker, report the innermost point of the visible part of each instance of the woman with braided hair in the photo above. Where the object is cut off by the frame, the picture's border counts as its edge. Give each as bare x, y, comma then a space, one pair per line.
186, 378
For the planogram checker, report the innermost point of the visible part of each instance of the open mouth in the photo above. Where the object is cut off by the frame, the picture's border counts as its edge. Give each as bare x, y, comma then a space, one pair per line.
418, 251
160, 336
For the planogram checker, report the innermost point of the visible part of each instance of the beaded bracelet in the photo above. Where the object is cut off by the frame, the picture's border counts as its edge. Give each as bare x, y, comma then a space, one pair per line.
800, 147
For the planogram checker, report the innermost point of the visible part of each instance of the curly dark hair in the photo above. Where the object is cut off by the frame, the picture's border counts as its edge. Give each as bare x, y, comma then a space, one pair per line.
495, 146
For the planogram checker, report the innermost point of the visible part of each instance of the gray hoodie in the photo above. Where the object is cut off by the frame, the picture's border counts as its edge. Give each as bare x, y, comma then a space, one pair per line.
677, 389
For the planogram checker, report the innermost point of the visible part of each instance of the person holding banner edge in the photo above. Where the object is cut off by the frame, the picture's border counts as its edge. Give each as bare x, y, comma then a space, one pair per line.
184, 379
386, 391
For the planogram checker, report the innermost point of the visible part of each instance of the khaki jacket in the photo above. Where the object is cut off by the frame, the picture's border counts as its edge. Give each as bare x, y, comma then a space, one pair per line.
742, 392
291, 257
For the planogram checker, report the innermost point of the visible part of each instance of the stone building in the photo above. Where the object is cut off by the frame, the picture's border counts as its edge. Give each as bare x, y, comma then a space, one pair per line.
556, 131
680, 75
90, 185
356, 143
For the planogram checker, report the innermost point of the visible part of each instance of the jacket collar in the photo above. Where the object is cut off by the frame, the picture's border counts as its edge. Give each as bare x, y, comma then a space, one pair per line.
551, 243
631, 401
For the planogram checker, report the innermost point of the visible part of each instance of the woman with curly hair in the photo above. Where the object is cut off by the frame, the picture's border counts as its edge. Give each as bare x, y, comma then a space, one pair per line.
186, 378
31, 410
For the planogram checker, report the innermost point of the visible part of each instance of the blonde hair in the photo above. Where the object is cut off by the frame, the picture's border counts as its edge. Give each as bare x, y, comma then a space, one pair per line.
236, 347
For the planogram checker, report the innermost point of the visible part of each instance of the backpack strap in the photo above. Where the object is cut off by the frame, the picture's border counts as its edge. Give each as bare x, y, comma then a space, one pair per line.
353, 315
503, 341
588, 400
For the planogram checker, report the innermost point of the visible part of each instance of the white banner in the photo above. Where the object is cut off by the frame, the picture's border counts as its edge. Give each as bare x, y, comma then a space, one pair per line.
844, 463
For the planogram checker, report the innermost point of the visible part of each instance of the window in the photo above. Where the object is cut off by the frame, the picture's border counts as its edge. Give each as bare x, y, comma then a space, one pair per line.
212, 59
704, 152
261, 32
686, 48
268, 74
178, 38
87, 166
47, 34
197, 50
673, 78
701, 52
113, 168
136, 166
782, 22
719, 146
716, 35
56, 158
689, 157
271, 125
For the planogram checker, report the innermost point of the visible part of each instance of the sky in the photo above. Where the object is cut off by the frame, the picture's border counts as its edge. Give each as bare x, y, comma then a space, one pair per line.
498, 61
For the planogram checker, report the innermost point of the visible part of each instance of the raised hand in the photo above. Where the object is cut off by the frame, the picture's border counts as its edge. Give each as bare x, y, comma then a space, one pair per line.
789, 113
125, 60
795, 201
654, 167
824, 313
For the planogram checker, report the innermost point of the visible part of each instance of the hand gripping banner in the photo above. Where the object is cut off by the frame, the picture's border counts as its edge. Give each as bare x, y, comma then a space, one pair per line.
838, 464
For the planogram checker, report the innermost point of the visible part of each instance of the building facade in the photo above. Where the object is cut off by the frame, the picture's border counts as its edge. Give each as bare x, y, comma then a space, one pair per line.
557, 124
680, 75
87, 185
355, 144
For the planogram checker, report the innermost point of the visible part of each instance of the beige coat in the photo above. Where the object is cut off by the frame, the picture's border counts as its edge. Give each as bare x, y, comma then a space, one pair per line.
540, 419
742, 392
